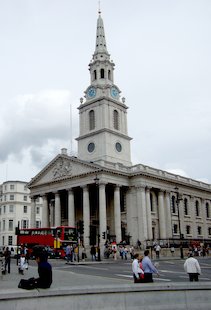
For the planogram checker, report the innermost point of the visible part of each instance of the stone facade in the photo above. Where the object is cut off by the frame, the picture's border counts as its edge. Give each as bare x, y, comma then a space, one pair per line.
102, 188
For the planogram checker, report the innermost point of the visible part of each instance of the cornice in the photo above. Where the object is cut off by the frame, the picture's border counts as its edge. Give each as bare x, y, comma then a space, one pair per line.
96, 132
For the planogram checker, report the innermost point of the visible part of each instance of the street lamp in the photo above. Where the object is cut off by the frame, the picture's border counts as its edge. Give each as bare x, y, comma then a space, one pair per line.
178, 199
96, 179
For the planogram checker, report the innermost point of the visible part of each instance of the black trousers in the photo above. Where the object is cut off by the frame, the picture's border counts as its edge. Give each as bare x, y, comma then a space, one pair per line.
193, 277
148, 277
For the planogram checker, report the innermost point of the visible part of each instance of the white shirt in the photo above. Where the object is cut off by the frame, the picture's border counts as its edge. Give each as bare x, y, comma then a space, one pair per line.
136, 268
191, 265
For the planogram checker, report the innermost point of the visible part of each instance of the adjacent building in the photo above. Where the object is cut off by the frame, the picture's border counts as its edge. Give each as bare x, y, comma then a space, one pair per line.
16, 210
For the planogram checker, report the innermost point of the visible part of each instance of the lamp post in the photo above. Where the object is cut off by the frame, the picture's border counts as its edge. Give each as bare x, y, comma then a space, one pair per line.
96, 179
179, 198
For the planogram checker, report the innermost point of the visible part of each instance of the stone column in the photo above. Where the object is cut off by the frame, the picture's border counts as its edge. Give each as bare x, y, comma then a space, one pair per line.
71, 208
117, 214
142, 222
57, 210
45, 213
168, 216
102, 214
148, 214
52, 205
86, 215
192, 212
204, 217
161, 213
33, 212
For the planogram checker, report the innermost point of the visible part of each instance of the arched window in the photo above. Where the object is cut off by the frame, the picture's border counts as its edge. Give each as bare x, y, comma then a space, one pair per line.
173, 204
197, 208
109, 74
91, 120
102, 73
207, 210
185, 206
116, 119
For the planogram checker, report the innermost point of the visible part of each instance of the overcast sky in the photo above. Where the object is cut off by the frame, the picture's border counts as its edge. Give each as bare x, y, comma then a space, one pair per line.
162, 53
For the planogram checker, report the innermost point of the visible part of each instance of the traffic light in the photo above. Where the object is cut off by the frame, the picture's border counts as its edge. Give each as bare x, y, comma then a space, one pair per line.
103, 234
17, 231
81, 227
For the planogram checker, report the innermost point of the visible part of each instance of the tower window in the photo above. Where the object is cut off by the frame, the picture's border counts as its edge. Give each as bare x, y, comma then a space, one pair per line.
94, 75
116, 119
91, 120
102, 73
109, 74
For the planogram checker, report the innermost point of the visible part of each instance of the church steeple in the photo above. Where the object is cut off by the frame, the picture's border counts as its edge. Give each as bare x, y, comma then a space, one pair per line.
100, 46
103, 115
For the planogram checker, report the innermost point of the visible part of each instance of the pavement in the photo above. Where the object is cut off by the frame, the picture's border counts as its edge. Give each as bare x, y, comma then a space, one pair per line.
61, 278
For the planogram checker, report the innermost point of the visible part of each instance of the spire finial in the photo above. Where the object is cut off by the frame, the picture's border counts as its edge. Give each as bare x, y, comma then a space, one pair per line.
99, 10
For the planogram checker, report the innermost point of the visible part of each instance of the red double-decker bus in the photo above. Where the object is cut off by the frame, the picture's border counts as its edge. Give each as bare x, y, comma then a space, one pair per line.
55, 239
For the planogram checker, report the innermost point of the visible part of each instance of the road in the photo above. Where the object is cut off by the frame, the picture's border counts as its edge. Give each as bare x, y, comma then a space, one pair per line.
170, 270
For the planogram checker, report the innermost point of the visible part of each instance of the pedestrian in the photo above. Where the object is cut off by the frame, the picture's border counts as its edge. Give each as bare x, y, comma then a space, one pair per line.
68, 252
7, 255
157, 250
93, 252
148, 267
22, 263
192, 268
83, 254
138, 273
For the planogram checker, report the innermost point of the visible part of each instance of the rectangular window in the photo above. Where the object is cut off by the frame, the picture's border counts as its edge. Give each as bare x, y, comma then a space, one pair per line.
3, 222
24, 224
5, 187
37, 210
5, 209
24, 209
12, 197
12, 186
24, 198
209, 231
10, 240
199, 230
175, 228
38, 224
10, 225
11, 208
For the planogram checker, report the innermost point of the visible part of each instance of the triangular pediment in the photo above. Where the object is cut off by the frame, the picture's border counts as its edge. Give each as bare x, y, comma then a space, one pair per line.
62, 167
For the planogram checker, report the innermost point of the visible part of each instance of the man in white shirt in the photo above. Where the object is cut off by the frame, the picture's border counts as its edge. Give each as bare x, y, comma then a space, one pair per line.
136, 270
192, 267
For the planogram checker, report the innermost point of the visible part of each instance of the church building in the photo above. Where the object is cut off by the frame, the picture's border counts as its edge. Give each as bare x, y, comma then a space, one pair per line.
115, 199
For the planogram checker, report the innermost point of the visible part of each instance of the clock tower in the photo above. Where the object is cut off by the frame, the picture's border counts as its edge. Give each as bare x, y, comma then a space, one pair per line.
103, 132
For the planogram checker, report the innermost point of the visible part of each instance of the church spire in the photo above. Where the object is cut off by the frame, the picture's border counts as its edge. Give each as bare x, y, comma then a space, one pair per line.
100, 46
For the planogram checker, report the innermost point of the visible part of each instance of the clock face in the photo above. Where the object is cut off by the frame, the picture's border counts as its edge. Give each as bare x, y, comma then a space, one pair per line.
114, 92
91, 147
118, 147
91, 92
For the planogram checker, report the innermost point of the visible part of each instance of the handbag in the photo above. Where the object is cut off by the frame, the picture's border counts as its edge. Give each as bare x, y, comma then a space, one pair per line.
28, 284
